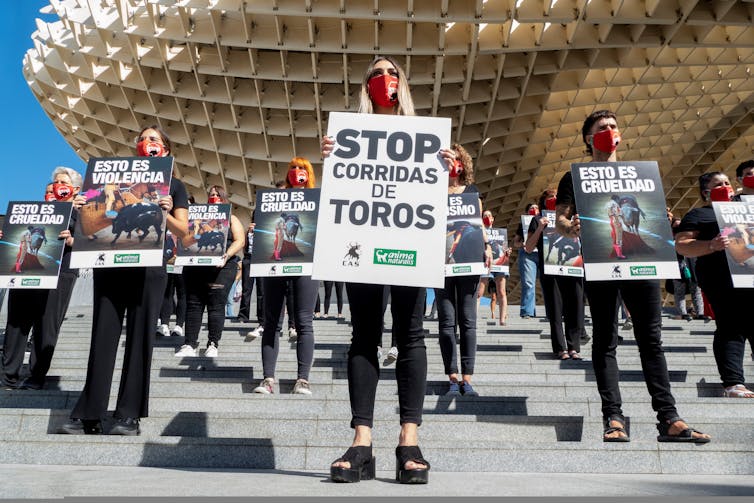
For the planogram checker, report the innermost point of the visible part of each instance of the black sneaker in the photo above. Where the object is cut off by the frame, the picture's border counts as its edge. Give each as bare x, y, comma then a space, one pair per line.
31, 384
126, 426
81, 427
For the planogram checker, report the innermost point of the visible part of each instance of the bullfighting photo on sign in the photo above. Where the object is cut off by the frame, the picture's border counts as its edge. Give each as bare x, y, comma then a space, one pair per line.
562, 254
207, 237
464, 238
285, 232
30, 251
736, 222
122, 223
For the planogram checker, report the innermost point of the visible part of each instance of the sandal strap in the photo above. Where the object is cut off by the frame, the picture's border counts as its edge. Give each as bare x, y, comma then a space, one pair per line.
356, 455
406, 453
613, 429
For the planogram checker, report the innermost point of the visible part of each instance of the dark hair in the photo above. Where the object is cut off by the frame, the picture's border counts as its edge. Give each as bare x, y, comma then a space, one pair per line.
528, 206
163, 135
545, 195
589, 122
220, 192
467, 175
704, 180
741, 167
280, 184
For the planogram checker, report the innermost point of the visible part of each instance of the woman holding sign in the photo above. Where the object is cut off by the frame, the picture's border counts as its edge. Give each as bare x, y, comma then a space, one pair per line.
601, 136
303, 293
385, 90
133, 293
699, 236
207, 286
456, 303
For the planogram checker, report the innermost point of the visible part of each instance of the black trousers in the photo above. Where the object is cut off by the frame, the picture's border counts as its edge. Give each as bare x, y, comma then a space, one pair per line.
170, 305
133, 293
44, 311
642, 298
564, 296
456, 304
407, 307
207, 287
303, 291
338, 295
731, 307
247, 285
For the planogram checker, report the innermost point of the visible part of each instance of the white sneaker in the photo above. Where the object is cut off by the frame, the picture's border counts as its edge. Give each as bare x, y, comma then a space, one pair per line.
255, 333
392, 355
292, 335
163, 330
186, 350
211, 351
302, 387
266, 387
177, 331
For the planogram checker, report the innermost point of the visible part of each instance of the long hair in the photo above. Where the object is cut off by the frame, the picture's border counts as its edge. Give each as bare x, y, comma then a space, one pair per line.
545, 195
405, 104
467, 175
163, 134
589, 122
303, 163
220, 193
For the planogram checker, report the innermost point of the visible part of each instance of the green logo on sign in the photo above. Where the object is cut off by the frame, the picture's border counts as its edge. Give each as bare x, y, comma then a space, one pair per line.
461, 269
574, 270
643, 270
292, 269
204, 261
31, 282
127, 258
385, 256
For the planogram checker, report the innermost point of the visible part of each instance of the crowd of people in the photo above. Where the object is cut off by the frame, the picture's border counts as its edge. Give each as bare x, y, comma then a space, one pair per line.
147, 298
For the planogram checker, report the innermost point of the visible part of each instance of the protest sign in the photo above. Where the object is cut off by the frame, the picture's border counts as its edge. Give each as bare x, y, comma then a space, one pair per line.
207, 237
736, 220
498, 238
382, 218
561, 254
285, 232
464, 241
30, 251
625, 233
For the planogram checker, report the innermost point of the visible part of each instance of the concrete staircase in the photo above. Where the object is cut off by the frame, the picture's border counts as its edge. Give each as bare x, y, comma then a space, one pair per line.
535, 414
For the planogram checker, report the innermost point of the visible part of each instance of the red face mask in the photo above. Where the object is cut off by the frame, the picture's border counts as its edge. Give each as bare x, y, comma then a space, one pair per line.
150, 149
298, 176
62, 191
533, 212
456, 169
487, 221
49, 196
606, 141
214, 200
721, 193
748, 181
383, 89
550, 203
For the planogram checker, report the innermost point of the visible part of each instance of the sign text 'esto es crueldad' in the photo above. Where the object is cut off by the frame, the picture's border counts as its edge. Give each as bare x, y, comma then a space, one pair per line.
383, 205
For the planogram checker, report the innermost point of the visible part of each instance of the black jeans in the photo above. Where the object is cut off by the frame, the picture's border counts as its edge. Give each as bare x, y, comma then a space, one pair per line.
42, 310
338, 295
247, 282
136, 294
170, 305
565, 297
303, 292
642, 298
731, 307
207, 286
407, 307
456, 304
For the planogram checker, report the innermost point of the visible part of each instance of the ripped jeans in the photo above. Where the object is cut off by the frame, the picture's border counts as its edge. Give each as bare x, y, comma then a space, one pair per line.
207, 286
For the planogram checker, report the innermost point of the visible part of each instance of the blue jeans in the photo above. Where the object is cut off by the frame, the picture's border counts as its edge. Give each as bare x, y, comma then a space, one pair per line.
528, 264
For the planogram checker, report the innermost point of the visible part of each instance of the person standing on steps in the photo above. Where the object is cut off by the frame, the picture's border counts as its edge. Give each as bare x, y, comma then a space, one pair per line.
601, 136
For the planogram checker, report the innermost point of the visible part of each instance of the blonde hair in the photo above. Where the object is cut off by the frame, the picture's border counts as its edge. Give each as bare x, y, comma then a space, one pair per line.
303, 163
405, 104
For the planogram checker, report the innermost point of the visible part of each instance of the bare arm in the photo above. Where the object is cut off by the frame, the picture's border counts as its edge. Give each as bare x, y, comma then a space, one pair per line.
567, 220
239, 239
532, 240
687, 244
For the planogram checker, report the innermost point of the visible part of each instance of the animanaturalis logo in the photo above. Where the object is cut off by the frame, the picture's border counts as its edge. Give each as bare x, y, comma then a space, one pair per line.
292, 269
386, 256
643, 270
31, 282
205, 261
458, 269
127, 258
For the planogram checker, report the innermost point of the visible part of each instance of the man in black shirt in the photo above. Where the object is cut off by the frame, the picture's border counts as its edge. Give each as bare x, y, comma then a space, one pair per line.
642, 297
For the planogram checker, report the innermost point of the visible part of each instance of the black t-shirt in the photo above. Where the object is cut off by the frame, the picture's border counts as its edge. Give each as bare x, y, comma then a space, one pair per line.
471, 188
533, 225
65, 262
565, 191
712, 269
180, 200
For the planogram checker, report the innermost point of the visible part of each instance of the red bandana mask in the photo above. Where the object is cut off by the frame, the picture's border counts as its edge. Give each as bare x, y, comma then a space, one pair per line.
748, 181
456, 169
297, 176
550, 203
383, 89
214, 200
721, 193
487, 221
150, 149
533, 212
606, 141
62, 191
49, 196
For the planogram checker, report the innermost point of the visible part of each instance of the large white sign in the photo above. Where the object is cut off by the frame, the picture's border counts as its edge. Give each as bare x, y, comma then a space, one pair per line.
382, 213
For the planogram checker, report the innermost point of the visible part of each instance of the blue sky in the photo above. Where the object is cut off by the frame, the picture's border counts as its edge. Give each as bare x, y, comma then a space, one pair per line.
32, 146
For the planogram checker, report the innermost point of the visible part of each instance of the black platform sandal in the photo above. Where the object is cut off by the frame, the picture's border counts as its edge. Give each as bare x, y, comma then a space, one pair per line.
362, 465
404, 454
